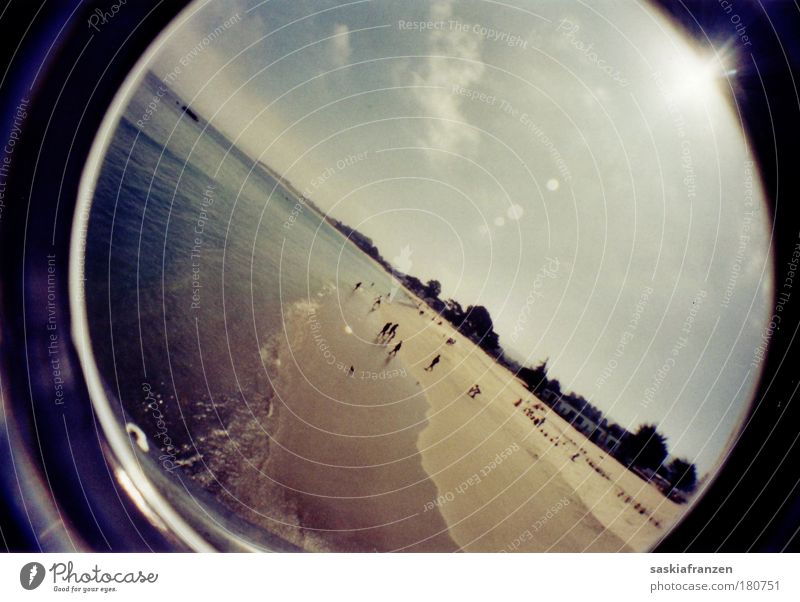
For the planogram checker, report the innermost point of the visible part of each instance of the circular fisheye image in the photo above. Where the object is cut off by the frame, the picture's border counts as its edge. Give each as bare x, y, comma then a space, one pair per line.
423, 276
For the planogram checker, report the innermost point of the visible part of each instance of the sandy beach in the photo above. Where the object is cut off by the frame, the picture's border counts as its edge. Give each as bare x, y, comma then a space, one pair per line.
537, 497
392, 457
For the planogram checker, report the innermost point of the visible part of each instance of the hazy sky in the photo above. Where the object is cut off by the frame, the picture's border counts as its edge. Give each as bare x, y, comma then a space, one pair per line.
547, 161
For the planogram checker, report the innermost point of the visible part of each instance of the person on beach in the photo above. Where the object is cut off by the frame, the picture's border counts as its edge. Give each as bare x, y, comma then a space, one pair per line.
385, 330
376, 304
434, 361
351, 372
357, 286
474, 390
396, 348
393, 331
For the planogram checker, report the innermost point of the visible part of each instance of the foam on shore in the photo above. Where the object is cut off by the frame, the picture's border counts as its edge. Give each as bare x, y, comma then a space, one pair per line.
344, 446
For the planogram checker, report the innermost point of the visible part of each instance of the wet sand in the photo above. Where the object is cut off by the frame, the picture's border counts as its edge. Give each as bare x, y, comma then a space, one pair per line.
344, 446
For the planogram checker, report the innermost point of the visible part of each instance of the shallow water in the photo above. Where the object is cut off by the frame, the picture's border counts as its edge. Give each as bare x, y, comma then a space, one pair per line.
194, 273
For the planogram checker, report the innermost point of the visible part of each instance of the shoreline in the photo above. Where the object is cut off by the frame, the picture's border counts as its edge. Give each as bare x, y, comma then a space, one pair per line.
344, 448
397, 458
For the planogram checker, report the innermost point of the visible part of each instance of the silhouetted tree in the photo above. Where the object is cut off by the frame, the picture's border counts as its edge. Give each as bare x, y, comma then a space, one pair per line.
647, 448
478, 320
683, 475
414, 283
534, 378
491, 342
553, 385
454, 313
433, 289
479, 327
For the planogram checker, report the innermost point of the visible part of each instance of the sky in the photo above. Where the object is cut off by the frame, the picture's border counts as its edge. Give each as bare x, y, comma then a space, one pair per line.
582, 174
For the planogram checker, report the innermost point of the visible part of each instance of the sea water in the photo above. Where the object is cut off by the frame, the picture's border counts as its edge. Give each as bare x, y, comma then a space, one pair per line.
204, 276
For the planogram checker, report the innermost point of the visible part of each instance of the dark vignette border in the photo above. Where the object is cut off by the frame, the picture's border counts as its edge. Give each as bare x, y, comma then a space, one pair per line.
754, 504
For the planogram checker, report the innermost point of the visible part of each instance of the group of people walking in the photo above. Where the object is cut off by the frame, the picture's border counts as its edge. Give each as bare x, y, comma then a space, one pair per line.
389, 332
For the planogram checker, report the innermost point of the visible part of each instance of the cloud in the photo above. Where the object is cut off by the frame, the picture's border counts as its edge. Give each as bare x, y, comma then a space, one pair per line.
439, 76
340, 45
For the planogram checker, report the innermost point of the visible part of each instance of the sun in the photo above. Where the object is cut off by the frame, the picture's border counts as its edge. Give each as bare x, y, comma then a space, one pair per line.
699, 78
